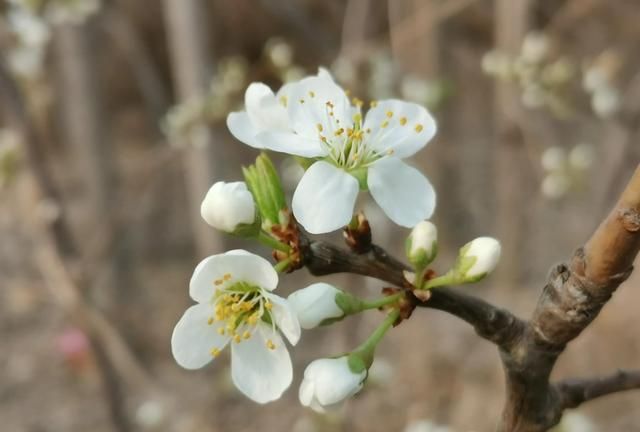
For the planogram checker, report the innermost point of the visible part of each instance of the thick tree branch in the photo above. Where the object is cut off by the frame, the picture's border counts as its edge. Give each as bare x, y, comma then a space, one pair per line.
490, 322
575, 392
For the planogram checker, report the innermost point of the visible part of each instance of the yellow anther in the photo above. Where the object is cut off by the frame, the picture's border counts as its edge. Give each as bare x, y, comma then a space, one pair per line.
283, 101
215, 352
210, 321
323, 139
218, 282
231, 327
235, 307
357, 117
268, 305
349, 132
389, 114
339, 132
253, 319
403, 121
221, 331
319, 126
418, 128
301, 100
246, 334
373, 103
329, 104
271, 345
312, 94
368, 130
390, 152
357, 102
347, 92
384, 124
331, 113
226, 276
358, 134
237, 339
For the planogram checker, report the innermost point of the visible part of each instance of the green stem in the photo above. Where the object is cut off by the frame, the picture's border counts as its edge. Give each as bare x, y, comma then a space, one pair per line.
283, 265
378, 303
368, 347
269, 241
445, 279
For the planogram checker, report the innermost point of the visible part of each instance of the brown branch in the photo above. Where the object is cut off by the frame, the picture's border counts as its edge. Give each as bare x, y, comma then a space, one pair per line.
490, 322
575, 392
571, 300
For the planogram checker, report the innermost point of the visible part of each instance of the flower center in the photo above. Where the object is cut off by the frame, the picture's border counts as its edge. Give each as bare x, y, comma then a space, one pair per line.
238, 308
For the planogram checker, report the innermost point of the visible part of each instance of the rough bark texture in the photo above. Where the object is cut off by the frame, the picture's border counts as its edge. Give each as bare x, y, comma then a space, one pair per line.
571, 299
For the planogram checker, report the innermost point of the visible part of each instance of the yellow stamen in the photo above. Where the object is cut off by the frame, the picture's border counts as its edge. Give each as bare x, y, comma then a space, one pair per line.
221, 331
218, 282
418, 128
312, 94
390, 152
373, 103
215, 352
357, 102
271, 345
226, 276
246, 334
339, 132
403, 121
301, 100
389, 114
357, 117
283, 101
210, 321
319, 126
268, 305
237, 339
384, 124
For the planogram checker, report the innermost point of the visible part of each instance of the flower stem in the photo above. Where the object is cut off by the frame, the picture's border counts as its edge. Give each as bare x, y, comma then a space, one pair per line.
283, 265
365, 352
383, 301
445, 279
269, 241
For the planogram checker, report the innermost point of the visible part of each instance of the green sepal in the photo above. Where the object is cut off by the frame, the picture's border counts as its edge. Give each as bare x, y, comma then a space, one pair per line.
360, 361
348, 303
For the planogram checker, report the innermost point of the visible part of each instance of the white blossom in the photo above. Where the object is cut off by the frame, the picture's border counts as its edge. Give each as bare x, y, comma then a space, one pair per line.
535, 47
228, 205
328, 382
315, 303
236, 306
486, 251
352, 154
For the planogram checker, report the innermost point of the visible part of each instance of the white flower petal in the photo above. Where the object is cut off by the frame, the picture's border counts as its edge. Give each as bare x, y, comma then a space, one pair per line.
403, 139
312, 100
260, 373
193, 338
315, 303
404, 194
248, 268
324, 199
285, 318
264, 110
243, 129
290, 143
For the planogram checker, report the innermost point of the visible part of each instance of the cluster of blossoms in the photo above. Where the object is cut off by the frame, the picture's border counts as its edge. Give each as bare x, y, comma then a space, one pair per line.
344, 151
565, 171
544, 80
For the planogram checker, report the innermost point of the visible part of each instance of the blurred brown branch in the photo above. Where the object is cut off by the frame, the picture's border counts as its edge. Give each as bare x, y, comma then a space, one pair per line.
577, 391
571, 300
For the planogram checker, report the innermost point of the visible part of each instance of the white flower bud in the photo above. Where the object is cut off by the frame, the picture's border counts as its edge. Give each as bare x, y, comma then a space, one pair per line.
582, 156
315, 304
555, 185
553, 158
485, 252
328, 382
605, 101
535, 47
422, 244
228, 205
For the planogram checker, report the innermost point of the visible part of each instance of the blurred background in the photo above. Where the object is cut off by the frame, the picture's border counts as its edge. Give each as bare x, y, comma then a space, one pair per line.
112, 127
